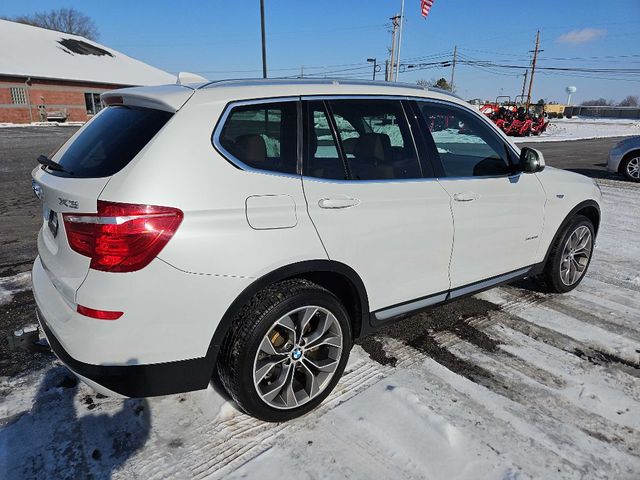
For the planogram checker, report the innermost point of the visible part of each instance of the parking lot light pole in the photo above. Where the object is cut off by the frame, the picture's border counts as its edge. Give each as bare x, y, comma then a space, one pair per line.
375, 65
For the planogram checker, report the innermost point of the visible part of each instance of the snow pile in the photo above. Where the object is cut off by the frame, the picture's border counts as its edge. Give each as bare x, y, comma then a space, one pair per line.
584, 128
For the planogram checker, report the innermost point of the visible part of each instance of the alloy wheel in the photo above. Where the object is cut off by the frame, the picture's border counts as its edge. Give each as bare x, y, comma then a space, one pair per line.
633, 168
576, 255
298, 357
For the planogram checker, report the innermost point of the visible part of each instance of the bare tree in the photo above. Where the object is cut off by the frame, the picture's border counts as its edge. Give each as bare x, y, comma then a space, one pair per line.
630, 101
599, 102
440, 83
67, 20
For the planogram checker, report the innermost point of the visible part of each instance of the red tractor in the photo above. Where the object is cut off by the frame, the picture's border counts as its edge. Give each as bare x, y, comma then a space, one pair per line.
513, 118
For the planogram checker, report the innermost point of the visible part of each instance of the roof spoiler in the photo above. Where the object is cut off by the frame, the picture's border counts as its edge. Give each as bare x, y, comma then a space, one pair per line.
169, 98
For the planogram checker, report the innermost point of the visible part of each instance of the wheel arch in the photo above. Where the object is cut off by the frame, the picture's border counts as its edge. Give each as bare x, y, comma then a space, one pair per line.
588, 208
338, 278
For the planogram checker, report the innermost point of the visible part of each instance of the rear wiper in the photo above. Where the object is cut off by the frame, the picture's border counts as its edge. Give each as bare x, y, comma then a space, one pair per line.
47, 162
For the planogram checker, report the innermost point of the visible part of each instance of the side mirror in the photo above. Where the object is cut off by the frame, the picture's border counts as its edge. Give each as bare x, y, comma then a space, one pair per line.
531, 160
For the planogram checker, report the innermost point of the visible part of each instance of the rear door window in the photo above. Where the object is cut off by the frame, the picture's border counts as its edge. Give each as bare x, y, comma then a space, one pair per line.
262, 136
111, 141
376, 139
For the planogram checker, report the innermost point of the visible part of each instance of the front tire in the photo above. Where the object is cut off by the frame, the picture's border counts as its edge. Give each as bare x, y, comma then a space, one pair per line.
286, 350
630, 167
570, 255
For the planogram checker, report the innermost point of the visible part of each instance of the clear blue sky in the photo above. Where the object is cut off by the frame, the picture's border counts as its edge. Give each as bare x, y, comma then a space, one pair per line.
221, 39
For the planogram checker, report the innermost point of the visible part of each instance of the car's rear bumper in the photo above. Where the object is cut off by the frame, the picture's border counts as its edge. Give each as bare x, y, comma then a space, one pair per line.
136, 380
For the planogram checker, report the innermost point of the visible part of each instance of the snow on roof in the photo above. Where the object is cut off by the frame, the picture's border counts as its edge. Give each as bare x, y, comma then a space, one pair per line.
40, 53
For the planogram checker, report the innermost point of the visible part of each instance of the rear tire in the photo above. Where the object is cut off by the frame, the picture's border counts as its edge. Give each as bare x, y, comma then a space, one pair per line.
630, 167
286, 350
570, 256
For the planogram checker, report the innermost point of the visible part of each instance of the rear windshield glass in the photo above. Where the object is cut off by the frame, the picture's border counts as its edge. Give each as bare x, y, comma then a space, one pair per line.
111, 141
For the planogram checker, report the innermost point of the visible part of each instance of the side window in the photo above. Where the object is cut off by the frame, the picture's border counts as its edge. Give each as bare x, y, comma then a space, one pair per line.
263, 136
467, 147
376, 139
322, 157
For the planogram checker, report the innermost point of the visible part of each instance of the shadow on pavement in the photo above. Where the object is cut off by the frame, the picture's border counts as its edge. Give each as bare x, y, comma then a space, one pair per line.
59, 439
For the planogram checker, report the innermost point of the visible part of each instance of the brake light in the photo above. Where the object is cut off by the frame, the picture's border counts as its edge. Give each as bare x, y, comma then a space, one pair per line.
109, 100
121, 237
99, 314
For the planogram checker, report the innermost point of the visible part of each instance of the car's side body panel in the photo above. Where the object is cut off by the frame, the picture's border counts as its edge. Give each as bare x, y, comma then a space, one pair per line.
497, 225
398, 238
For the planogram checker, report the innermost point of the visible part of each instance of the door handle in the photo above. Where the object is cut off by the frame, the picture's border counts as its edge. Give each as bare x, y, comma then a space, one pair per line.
466, 197
338, 202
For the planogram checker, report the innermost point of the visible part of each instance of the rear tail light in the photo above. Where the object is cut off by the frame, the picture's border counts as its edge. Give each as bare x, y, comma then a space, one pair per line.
121, 237
98, 314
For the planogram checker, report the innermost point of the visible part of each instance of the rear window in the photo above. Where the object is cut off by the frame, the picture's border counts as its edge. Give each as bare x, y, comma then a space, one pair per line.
111, 141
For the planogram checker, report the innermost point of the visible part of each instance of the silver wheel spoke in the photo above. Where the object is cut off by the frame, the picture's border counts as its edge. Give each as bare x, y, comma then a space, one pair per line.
276, 387
323, 325
311, 384
633, 167
267, 367
287, 322
326, 365
267, 347
306, 318
329, 339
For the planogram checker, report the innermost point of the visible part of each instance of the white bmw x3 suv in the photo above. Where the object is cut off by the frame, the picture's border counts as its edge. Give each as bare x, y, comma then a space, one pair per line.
254, 229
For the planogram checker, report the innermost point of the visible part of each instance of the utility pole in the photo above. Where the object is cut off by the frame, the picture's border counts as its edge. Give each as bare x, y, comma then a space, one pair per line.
264, 47
375, 65
386, 70
394, 19
453, 65
524, 82
400, 39
533, 68
301, 71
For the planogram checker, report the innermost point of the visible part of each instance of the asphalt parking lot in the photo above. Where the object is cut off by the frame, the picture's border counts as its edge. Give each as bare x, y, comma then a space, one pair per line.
532, 385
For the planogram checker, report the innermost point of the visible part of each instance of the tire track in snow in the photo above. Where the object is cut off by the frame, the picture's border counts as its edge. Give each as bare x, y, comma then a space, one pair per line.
226, 443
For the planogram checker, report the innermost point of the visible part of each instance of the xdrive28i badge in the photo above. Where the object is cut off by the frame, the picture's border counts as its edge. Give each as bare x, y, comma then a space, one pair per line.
65, 202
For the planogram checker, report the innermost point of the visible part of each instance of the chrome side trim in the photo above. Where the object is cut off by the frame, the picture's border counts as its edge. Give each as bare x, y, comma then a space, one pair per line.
409, 307
458, 292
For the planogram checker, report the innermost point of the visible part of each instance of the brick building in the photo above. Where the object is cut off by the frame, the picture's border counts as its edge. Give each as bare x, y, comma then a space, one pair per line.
49, 75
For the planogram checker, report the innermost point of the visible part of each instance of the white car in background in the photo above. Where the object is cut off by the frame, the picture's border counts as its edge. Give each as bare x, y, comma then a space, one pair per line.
256, 228
624, 158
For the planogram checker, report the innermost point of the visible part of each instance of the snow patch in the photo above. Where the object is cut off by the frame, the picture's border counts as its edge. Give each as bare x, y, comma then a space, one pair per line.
9, 286
584, 128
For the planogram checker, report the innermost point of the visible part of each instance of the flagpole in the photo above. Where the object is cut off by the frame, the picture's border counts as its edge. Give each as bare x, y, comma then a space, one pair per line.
400, 39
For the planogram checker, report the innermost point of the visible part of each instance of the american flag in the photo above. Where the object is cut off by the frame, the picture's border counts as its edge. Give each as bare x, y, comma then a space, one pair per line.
425, 6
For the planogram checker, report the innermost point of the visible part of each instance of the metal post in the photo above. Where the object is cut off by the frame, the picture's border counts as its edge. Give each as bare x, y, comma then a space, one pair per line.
264, 47
399, 40
393, 48
375, 65
533, 68
453, 66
